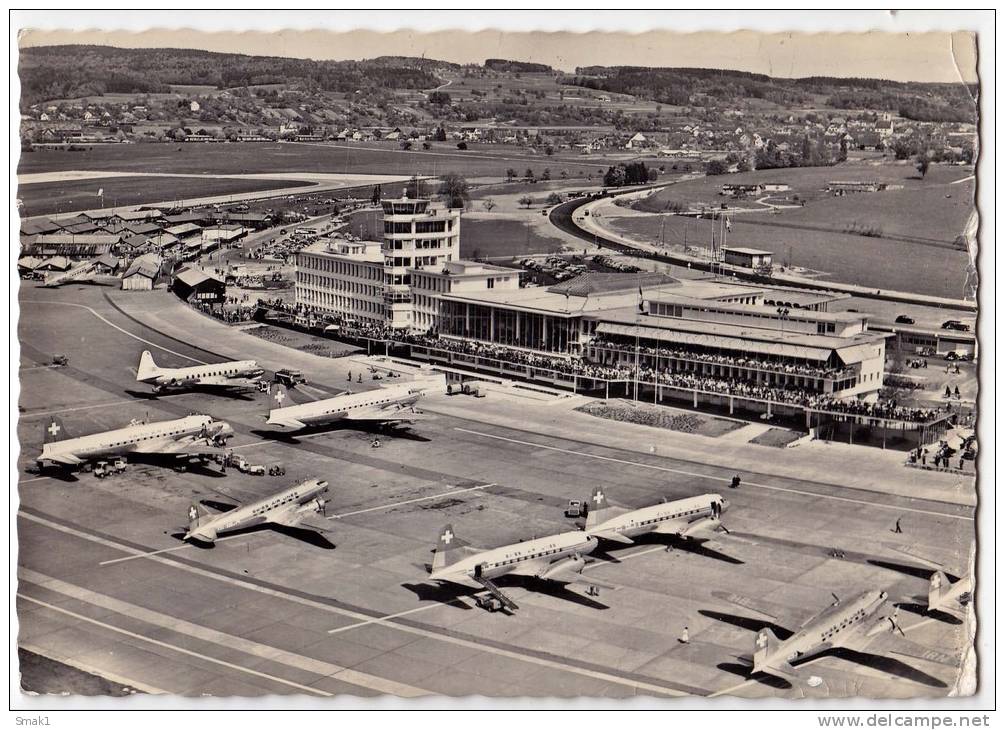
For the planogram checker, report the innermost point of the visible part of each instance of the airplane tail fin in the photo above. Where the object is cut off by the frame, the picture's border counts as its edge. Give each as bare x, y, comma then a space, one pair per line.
198, 515
55, 431
448, 548
938, 587
280, 397
764, 646
147, 368
599, 508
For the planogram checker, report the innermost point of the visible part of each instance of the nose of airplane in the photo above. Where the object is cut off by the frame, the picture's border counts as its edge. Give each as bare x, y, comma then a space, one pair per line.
724, 504
224, 429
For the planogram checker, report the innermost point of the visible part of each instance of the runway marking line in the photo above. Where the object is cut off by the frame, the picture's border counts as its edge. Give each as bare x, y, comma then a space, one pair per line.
114, 326
164, 550
411, 501
172, 647
656, 467
124, 401
219, 638
404, 628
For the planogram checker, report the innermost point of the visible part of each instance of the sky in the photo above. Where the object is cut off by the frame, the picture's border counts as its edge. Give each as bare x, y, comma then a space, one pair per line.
925, 56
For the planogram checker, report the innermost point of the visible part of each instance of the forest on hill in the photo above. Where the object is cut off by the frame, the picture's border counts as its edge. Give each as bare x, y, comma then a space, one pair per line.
60, 72
725, 88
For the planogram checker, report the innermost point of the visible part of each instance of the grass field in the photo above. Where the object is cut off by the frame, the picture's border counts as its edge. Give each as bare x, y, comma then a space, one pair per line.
916, 226
61, 197
251, 157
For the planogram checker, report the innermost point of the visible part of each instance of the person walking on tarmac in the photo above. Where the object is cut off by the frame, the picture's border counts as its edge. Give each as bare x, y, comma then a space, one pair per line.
735, 482
350, 376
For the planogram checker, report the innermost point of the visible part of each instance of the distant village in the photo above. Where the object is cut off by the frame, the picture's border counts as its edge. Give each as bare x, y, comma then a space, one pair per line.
293, 116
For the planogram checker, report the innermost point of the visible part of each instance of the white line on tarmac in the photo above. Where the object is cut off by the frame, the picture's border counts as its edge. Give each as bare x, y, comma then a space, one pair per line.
35, 479
180, 650
114, 326
716, 478
730, 690
516, 653
36, 414
165, 550
410, 501
97, 671
181, 627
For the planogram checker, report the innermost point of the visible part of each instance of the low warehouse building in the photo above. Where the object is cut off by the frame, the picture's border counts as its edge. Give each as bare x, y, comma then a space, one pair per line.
142, 273
194, 285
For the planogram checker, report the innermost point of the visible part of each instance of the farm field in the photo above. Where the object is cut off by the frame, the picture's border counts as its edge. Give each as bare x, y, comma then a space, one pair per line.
257, 157
71, 195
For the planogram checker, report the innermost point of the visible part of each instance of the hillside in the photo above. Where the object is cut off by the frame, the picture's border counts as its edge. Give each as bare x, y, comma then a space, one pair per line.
730, 89
59, 72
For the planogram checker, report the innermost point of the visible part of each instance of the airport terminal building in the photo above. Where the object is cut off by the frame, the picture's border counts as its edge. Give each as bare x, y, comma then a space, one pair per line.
766, 350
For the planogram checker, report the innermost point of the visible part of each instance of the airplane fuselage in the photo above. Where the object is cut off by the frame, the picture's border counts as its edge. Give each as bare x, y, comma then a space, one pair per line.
303, 496
330, 410
125, 440
502, 560
238, 373
670, 517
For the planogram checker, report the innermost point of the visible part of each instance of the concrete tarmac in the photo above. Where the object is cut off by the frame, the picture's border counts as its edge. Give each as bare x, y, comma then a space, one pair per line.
106, 585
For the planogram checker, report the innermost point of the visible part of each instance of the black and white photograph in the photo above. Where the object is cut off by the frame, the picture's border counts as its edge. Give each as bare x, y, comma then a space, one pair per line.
362, 363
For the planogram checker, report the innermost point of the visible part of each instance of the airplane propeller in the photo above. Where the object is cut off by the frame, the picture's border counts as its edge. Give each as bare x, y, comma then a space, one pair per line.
893, 621
836, 599
322, 506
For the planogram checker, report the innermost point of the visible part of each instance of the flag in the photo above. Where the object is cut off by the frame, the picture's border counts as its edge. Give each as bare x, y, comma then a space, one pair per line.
729, 225
642, 307
101, 191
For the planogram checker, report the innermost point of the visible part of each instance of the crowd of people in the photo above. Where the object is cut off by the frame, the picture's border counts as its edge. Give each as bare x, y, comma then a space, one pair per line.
583, 368
792, 368
230, 316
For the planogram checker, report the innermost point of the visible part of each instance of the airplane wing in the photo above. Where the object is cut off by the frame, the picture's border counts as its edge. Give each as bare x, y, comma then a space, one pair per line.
613, 536
179, 448
67, 460
309, 521
287, 421
765, 608
383, 414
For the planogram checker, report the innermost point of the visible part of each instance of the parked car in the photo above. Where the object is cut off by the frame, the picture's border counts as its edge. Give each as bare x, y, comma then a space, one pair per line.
955, 324
904, 319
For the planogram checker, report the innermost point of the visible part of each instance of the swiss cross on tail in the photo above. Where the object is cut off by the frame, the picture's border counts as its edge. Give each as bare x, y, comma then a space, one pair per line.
54, 431
762, 640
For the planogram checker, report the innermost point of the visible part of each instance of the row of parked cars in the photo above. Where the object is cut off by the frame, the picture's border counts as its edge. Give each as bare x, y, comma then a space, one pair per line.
555, 267
949, 324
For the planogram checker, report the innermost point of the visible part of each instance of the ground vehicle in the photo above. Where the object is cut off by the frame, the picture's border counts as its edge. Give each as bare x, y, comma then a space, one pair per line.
277, 470
289, 377
955, 324
489, 602
101, 469
904, 319
256, 470
576, 508
60, 361
958, 355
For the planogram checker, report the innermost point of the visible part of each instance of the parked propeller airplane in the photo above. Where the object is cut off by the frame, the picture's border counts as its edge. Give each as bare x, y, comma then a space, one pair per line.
292, 507
844, 625
389, 404
556, 558
189, 436
689, 517
235, 374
